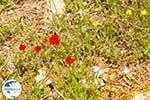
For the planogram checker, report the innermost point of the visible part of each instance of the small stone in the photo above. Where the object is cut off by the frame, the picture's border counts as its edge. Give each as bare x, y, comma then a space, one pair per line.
48, 82
138, 96
126, 70
41, 75
97, 71
39, 78
96, 68
57, 6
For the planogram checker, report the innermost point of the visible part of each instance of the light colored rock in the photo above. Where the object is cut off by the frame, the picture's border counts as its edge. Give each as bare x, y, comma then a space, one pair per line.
48, 82
126, 70
57, 6
96, 68
138, 96
97, 71
41, 75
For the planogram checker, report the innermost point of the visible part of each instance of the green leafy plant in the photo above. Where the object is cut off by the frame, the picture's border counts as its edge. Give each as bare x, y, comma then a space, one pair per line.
112, 53
6, 3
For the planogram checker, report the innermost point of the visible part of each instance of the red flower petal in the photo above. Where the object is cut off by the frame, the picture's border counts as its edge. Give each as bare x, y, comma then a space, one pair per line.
70, 60
37, 49
54, 39
22, 47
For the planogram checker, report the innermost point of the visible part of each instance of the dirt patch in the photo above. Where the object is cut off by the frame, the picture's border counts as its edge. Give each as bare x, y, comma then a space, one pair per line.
124, 79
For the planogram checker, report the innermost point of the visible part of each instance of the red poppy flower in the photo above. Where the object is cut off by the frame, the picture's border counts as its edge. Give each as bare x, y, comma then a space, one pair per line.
70, 60
54, 39
22, 47
37, 49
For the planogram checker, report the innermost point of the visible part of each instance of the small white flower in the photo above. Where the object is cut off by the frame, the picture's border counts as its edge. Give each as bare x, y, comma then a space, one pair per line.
97, 71
41, 75
126, 70
138, 96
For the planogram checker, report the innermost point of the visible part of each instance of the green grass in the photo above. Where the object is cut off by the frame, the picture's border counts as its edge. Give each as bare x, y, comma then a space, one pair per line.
6, 4
77, 31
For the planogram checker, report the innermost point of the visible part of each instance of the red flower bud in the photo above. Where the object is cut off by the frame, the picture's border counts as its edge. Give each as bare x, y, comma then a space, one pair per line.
54, 39
22, 47
37, 49
70, 60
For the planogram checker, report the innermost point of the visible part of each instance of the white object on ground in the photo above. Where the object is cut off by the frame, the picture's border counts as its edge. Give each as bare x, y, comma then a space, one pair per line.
138, 96
48, 82
41, 75
126, 70
57, 6
97, 71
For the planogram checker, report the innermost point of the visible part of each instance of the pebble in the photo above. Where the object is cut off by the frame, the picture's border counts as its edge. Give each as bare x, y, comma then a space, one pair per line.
126, 70
138, 96
97, 71
41, 75
57, 6
48, 82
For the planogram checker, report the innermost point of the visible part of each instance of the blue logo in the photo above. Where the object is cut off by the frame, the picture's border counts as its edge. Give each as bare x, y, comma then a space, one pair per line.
11, 89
